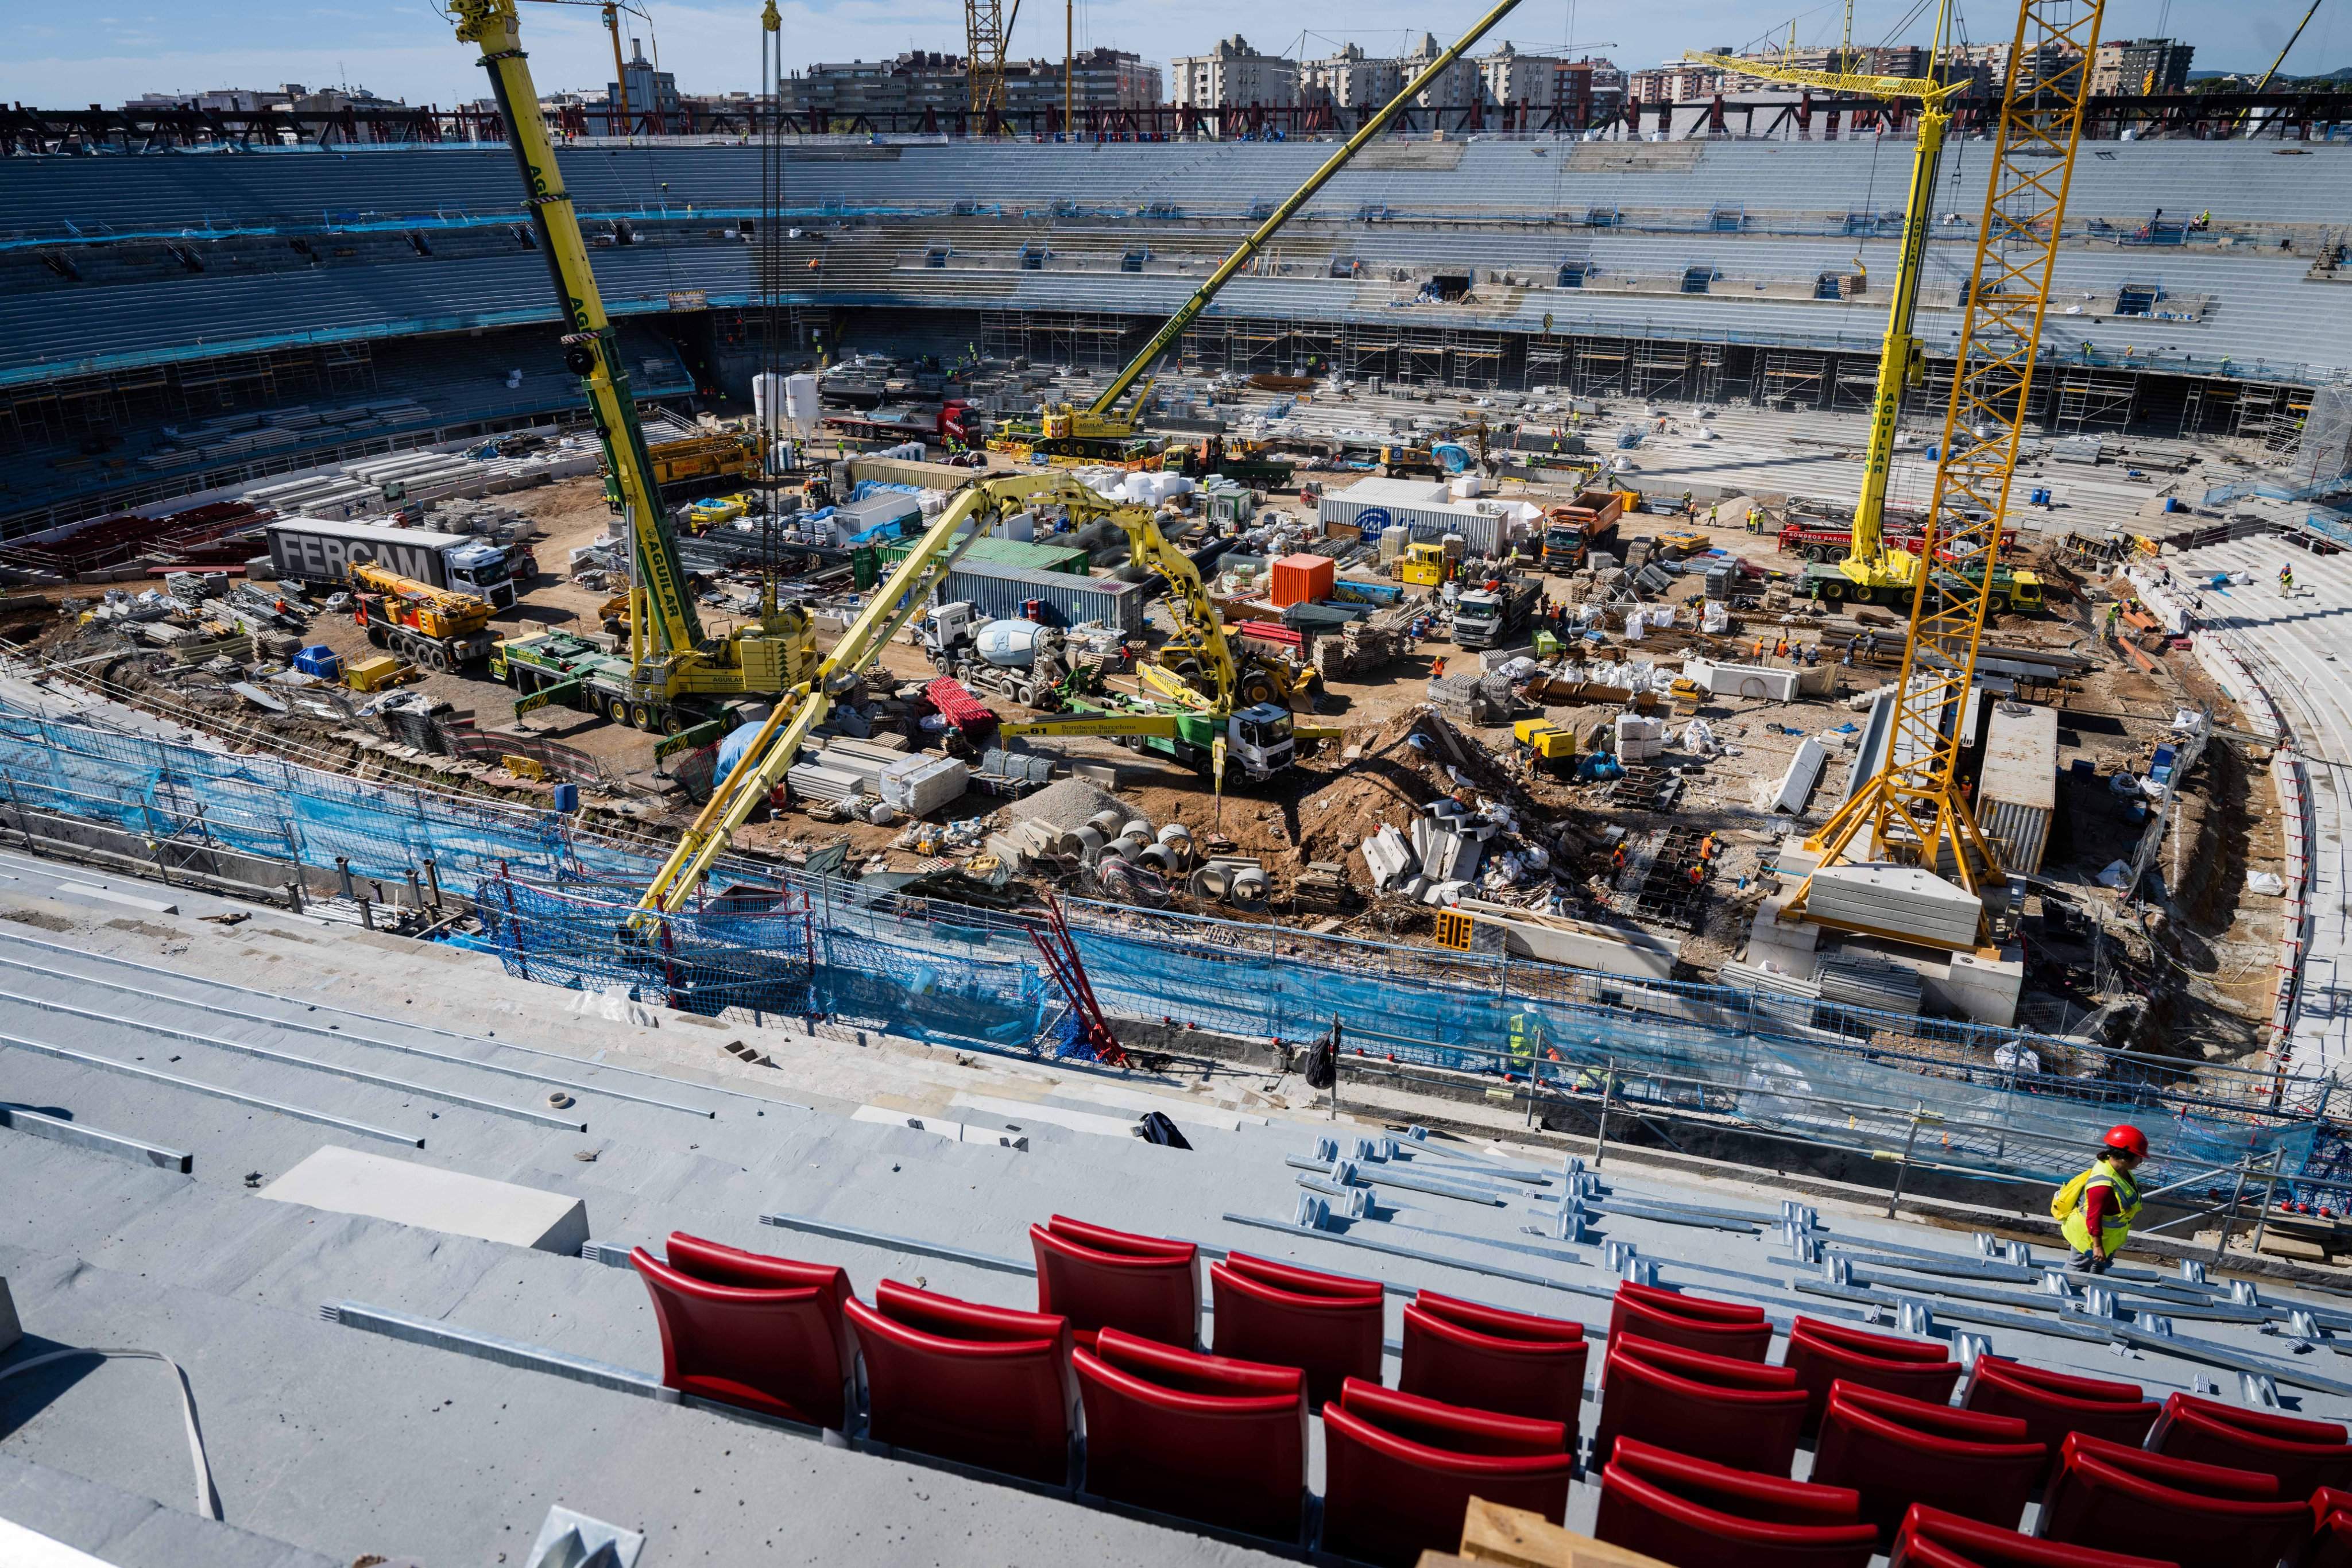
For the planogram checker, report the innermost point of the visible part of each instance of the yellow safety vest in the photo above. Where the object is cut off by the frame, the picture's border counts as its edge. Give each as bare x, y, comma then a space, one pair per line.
2066, 1208
1525, 1032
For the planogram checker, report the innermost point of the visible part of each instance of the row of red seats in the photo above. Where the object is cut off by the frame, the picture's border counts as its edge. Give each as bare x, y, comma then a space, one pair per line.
1489, 1405
1695, 1445
1488, 1399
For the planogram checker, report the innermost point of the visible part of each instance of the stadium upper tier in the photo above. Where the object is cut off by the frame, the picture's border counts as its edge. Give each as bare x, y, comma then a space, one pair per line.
2122, 181
1733, 242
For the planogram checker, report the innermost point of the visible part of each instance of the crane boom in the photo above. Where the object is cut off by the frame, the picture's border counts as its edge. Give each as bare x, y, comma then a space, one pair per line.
1901, 358
663, 610
1190, 309
2263, 85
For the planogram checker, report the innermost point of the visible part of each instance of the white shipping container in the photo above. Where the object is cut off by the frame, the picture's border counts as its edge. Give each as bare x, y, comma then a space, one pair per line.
1486, 527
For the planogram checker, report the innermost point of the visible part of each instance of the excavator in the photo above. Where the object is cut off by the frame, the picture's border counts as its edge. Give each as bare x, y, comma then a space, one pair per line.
676, 673
435, 627
1110, 427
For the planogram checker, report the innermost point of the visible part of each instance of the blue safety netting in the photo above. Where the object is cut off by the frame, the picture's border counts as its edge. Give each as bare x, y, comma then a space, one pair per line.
558, 906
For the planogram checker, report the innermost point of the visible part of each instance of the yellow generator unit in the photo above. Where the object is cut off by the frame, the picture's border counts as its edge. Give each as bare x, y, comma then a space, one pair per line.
1550, 742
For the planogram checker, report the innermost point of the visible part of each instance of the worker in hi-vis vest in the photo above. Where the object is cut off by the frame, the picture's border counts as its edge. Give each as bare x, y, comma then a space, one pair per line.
1525, 1039
2095, 1211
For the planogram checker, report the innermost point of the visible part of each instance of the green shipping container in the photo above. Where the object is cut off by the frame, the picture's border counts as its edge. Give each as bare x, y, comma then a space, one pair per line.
1005, 552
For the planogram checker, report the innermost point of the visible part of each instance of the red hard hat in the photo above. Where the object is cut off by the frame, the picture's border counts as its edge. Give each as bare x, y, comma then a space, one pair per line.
2127, 1138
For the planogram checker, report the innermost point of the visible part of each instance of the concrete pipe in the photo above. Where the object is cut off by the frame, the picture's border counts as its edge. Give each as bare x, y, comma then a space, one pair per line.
1212, 882
1071, 844
1136, 827
1109, 824
1250, 886
1090, 843
1156, 857
1130, 845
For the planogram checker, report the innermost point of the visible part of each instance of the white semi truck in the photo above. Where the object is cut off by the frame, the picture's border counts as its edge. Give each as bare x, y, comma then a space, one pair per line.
321, 551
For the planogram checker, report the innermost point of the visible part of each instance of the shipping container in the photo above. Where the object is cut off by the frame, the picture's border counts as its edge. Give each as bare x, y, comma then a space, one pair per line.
1302, 578
1005, 552
2018, 790
998, 593
1370, 505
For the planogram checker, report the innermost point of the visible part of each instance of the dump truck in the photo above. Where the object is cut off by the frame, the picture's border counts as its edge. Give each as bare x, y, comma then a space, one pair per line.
1589, 522
423, 624
321, 551
1486, 615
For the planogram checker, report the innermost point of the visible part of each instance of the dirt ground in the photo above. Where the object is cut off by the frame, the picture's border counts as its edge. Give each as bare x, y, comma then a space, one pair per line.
2210, 960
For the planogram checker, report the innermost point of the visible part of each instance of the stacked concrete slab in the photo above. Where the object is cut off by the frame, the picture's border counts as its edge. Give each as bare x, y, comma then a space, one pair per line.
1898, 900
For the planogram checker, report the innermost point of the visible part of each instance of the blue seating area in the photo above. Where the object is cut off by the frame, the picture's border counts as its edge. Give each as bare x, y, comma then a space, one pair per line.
62, 198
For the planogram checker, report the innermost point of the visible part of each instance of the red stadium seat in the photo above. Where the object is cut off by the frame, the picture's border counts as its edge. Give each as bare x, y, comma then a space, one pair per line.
1736, 1412
1399, 1472
1693, 1322
1196, 1435
2126, 1499
1491, 1359
1697, 1514
1897, 1452
1102, 1278
1820, 1354
984, 1386
2053, 1404
747, 1328
2330, 1545
2305, 1455
1327, 1325
1930, 1538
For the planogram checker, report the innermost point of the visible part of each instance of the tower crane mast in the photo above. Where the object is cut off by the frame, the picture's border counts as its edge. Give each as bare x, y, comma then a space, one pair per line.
1912, 809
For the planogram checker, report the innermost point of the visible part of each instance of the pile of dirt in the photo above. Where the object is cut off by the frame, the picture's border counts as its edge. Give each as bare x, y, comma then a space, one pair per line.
1414, 759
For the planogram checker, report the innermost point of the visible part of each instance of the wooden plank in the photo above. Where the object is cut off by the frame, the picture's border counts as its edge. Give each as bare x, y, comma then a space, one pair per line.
1515, 1538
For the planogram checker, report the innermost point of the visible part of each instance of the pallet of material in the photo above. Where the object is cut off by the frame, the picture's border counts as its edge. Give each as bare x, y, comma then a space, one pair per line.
1499, 1537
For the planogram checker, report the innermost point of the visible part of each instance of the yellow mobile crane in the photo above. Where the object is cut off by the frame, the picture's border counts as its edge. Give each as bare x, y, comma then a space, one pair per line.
1208, 719
1912, 809
1102, 429
435, 627
675, 673
1873, 571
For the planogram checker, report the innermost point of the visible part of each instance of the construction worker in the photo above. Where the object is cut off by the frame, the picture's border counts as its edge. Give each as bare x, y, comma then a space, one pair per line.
2095, 1211
1525, 1038
1780, 648
1757, 653
1437, 668
1617, 858
2115, 618
2286, 580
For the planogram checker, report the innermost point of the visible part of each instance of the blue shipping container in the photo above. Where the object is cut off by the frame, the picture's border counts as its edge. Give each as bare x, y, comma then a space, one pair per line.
998, 593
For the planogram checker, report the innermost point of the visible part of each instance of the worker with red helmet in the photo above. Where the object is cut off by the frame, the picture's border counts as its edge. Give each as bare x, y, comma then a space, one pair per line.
2095, 1211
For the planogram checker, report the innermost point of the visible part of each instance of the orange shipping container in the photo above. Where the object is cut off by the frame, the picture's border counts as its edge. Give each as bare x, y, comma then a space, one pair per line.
1299, 579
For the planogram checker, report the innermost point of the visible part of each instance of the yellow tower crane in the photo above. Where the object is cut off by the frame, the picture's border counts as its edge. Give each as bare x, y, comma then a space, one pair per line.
1912, 809
1872, 570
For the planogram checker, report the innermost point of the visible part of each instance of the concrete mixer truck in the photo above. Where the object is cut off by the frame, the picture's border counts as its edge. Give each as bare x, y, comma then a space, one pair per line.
1021, 661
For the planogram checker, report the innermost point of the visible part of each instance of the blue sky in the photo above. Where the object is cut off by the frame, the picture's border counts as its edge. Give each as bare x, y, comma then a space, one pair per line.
404, 49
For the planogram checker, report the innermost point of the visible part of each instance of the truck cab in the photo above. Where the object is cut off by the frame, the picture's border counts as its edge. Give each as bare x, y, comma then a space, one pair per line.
482, 570
1259, 739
